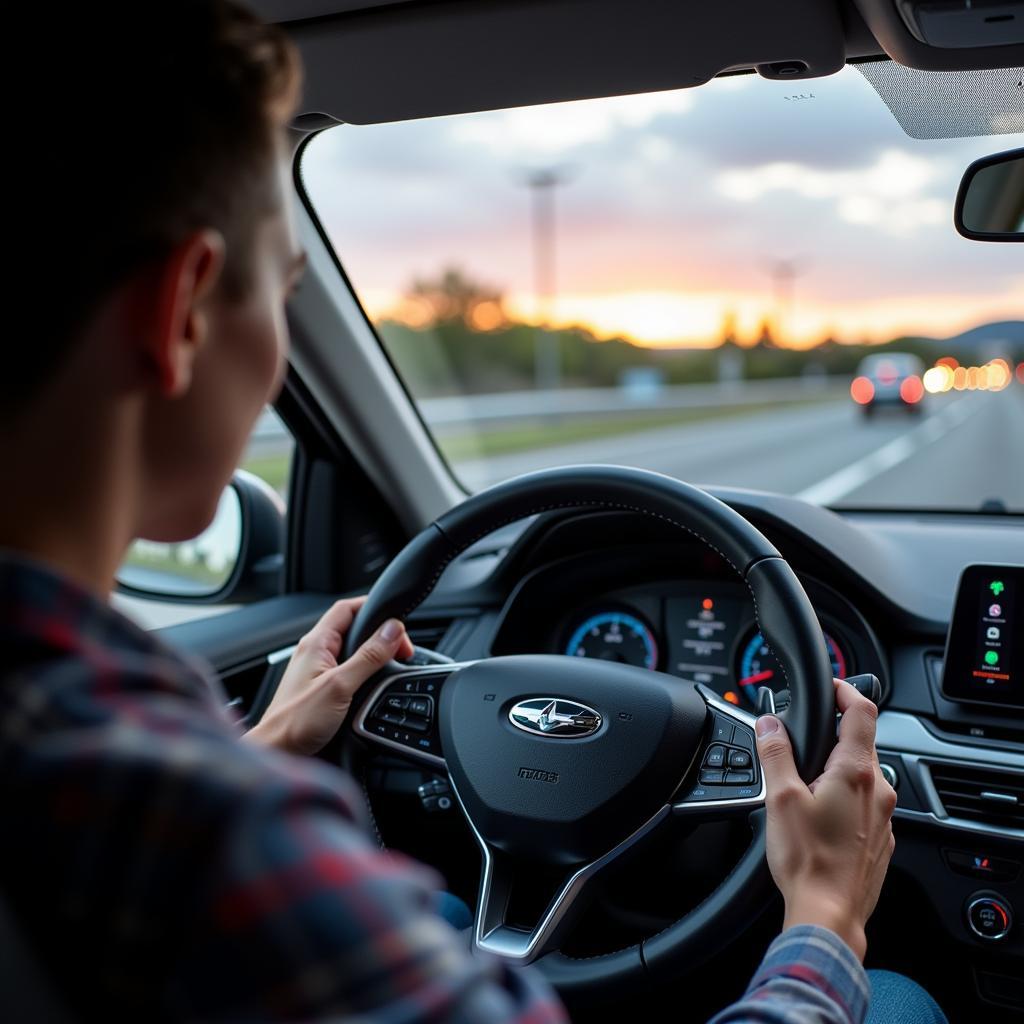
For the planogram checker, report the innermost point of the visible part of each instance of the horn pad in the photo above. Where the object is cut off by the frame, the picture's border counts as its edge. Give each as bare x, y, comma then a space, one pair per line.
560, 785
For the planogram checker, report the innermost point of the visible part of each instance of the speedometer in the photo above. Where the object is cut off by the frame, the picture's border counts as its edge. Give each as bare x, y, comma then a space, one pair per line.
614, 636
758, 666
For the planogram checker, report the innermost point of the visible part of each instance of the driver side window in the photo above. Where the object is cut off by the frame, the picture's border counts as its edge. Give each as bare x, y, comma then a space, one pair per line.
164, 584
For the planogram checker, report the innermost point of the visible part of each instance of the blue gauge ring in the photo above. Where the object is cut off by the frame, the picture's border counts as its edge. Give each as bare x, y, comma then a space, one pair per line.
628, 622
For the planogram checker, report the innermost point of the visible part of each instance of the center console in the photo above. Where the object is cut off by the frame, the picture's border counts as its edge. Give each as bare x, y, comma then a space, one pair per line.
958, 768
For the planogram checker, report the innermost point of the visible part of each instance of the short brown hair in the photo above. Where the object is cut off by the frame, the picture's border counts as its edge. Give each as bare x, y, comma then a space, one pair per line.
163, 118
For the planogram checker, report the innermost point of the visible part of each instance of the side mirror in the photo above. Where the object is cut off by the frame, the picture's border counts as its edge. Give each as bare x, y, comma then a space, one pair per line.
238, 557
990, 202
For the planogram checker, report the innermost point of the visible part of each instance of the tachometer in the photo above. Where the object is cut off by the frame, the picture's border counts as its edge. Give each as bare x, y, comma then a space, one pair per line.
758, 666
615, 636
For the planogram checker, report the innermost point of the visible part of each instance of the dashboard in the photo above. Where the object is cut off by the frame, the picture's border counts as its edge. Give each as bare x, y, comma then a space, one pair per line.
951, 726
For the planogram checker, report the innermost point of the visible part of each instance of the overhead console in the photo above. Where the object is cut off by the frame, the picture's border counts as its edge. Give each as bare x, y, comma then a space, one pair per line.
948, 35
964, 24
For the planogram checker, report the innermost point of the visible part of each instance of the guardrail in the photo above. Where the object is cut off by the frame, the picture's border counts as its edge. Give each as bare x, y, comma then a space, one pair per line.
454, 412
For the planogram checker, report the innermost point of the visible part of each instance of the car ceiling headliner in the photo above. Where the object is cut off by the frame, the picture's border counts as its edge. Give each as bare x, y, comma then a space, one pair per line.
370, 61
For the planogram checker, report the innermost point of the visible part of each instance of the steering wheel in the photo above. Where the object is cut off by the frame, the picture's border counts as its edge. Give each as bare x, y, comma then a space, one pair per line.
570, 763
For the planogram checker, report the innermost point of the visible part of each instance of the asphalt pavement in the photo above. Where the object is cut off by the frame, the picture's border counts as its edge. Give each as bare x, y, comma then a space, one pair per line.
959, 452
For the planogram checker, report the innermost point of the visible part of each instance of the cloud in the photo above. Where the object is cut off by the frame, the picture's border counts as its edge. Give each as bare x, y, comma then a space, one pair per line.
694, 192
889, 195
529, 133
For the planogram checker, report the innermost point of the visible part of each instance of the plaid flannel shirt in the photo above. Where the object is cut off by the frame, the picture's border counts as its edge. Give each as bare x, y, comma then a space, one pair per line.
161, 869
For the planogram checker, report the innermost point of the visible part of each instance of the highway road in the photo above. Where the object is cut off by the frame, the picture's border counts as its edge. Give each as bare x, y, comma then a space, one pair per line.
963, 450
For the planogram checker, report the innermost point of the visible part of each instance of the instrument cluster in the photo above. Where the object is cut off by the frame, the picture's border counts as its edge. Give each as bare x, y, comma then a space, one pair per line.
704, 632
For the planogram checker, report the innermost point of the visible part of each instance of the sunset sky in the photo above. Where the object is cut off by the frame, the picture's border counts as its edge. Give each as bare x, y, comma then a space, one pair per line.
677, 207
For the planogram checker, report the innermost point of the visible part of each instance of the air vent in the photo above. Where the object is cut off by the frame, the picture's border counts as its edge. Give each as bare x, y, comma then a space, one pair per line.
428, 633
978, 794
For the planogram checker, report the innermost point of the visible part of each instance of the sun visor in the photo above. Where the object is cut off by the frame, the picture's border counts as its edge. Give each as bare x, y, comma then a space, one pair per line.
949, 104
412, 60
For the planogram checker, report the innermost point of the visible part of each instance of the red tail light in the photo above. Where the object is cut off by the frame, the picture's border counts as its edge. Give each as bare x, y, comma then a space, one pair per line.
911, 389
862, 390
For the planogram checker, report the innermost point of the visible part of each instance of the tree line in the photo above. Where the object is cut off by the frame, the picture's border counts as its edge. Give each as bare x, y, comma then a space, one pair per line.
459, 339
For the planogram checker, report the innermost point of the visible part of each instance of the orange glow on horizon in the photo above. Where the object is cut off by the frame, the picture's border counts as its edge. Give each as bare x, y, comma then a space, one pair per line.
684, 319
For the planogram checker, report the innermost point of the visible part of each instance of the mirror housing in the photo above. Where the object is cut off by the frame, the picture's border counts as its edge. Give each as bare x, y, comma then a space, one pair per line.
990, 200
238, 558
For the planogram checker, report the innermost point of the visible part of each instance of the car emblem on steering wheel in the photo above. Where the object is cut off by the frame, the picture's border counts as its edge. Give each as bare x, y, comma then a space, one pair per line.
551, 716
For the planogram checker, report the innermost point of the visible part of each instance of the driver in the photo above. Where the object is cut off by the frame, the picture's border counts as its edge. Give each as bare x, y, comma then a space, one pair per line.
158, 865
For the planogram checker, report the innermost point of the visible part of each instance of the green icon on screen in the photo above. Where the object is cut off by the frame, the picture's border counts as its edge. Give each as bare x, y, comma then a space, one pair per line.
997, 587
991, 658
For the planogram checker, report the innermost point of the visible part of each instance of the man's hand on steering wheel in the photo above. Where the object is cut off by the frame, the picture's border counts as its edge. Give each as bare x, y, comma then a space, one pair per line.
829, 843
316, 691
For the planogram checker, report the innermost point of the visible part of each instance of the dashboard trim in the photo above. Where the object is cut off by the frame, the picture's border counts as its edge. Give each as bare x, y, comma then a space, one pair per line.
901, 733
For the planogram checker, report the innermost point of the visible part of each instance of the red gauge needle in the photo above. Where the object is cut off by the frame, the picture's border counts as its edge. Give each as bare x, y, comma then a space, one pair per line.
760, 677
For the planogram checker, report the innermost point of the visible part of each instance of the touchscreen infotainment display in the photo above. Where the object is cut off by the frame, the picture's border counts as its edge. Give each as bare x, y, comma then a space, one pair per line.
985, 647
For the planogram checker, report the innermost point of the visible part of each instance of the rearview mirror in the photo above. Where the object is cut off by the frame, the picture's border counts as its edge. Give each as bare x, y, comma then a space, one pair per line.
990, 202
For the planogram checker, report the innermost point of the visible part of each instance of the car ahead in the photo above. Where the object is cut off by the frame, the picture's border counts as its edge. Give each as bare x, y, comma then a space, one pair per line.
889, 380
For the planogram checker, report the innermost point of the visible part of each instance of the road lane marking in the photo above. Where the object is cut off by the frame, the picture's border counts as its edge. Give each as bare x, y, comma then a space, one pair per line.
858, 473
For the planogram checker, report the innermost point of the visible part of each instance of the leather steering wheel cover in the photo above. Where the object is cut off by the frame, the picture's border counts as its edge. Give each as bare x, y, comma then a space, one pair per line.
784, 615
401, 588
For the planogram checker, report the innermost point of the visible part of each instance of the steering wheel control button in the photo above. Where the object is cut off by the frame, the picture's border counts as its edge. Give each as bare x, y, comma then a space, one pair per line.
743, 737
721, 730
712, 776
989, 916
420, 706
405, 713
435, 796
740, 759
739, 778
715, 757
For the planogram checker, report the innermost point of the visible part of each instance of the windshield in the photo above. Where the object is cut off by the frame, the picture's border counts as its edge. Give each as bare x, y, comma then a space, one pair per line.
701, 282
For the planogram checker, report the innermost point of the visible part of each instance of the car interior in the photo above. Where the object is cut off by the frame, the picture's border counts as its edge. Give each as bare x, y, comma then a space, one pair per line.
643, 618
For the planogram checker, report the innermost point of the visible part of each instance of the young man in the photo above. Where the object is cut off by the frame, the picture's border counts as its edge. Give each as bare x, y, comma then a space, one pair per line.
158, 865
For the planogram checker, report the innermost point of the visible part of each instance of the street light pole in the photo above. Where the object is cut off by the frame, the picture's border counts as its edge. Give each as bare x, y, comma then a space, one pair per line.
784, 274
546, 353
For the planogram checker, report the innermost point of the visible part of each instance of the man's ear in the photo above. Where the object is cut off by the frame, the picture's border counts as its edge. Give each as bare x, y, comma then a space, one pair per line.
187, 277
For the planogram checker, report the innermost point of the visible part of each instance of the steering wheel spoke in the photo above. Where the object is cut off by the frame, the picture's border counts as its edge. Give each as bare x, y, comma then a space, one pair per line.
400, 713
510, 888
726, 779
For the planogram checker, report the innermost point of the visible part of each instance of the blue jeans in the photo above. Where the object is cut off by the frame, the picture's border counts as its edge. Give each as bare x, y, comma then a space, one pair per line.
895, 999
453, 910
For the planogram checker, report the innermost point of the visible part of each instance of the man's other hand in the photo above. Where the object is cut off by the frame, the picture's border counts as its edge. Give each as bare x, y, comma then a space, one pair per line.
829, 843
315, 693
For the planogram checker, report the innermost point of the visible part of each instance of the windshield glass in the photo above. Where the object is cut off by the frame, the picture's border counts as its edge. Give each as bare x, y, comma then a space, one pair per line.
702, 282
